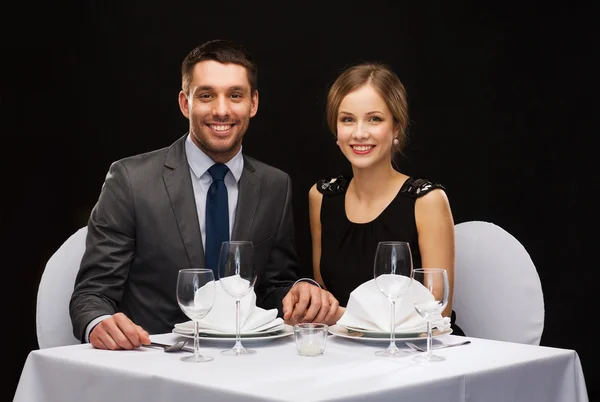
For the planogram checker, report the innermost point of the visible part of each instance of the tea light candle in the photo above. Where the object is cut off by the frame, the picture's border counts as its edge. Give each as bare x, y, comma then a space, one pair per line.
310, 349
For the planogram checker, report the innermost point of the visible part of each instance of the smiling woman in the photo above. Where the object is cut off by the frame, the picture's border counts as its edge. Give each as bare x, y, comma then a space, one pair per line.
349, 216
364, 126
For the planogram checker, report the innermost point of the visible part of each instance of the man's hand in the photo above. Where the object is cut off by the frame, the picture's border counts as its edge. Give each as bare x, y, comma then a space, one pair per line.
309, 303
118, 332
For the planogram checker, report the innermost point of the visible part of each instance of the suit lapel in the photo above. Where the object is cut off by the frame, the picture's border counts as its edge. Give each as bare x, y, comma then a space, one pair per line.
178, 183
249, 194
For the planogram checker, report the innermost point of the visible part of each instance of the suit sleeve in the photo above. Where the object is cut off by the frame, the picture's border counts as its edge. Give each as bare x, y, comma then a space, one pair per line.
281, 271
109, 250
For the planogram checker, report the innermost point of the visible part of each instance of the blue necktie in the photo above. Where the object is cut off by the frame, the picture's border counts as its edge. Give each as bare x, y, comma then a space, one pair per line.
217, 217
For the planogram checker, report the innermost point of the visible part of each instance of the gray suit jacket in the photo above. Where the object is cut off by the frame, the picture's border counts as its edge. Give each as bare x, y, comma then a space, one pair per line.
144, 228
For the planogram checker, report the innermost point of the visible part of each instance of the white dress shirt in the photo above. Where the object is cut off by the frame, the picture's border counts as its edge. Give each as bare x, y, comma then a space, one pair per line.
201, 180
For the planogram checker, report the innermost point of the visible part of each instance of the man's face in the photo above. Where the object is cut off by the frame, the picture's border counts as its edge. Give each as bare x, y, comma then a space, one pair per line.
219, 106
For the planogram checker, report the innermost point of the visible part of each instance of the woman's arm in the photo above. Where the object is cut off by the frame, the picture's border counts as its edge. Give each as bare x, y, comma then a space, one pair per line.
315, 199
435, 226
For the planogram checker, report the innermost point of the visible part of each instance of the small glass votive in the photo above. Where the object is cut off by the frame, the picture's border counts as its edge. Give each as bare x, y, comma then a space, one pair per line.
311, 338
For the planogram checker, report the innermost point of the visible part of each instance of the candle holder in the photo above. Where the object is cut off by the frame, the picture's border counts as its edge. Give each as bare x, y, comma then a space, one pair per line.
311, 338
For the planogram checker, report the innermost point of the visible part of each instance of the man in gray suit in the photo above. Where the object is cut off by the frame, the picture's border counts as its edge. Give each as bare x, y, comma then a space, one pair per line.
149, 220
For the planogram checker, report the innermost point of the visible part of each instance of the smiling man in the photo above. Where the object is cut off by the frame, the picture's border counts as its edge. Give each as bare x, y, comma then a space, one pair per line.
170, 209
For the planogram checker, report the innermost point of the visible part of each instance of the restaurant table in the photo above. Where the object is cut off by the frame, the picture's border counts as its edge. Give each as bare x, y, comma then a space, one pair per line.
484, 370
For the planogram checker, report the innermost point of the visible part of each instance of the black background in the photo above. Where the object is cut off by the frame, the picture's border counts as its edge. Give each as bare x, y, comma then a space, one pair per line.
500, 102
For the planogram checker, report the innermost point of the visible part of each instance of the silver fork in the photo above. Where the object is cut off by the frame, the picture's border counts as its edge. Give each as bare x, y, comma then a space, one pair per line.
442, 346
170, 348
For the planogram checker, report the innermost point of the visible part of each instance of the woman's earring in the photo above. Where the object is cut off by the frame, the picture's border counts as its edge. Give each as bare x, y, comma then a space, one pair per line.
396, 142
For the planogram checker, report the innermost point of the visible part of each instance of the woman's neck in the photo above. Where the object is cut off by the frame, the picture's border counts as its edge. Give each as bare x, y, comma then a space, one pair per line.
370, 182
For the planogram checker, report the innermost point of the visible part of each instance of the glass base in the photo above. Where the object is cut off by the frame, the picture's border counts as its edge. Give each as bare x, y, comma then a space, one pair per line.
392, 351
237, 351
425, 358
199, 359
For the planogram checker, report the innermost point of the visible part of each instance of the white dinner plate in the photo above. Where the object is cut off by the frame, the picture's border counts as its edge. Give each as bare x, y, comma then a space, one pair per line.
252, 336
374, 336
205, 331
379, 333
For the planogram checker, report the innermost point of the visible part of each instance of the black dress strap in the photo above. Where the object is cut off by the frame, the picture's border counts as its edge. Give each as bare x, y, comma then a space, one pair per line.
333, 185
416, 188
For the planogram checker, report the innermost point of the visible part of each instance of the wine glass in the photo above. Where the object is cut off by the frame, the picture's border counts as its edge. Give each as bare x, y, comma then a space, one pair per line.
393, 275
237, 276
435, 281
196, 296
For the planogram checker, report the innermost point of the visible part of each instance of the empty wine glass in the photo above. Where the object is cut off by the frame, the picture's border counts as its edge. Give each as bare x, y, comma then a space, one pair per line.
237, 276
435, 281
196, 296
392, 270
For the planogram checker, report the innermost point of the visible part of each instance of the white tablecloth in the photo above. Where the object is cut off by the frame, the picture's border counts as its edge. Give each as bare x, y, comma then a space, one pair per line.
349, 371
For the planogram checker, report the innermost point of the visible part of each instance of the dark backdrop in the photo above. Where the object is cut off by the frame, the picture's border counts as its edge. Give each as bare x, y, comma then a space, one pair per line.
499, 98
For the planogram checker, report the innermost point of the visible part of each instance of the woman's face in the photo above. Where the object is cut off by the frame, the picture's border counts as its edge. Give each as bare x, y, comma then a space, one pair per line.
365, 128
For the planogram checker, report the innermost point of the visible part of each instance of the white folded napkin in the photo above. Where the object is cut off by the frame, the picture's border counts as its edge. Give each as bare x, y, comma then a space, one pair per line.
369, 309
221, 318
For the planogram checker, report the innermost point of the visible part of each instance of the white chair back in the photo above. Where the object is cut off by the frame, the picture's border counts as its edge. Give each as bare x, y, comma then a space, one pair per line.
497, 290
53, 322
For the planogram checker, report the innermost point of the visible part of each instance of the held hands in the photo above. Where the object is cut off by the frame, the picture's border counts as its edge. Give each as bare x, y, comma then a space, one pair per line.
303, 303
118, 332
309, 303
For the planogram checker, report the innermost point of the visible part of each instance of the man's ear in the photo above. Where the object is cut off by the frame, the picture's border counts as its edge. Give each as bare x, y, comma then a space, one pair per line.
254, 103
184, 105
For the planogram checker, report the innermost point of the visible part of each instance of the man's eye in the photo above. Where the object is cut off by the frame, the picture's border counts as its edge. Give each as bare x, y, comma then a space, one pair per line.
236, 96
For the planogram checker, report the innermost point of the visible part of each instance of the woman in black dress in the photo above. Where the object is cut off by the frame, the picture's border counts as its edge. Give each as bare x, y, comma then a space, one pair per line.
349, 216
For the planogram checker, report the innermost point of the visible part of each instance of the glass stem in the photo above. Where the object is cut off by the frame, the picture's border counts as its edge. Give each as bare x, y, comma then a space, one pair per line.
429, 339
238, 336
196, 341
393, 325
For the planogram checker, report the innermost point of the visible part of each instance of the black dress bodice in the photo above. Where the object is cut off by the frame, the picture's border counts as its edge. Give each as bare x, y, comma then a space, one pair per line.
348, 248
